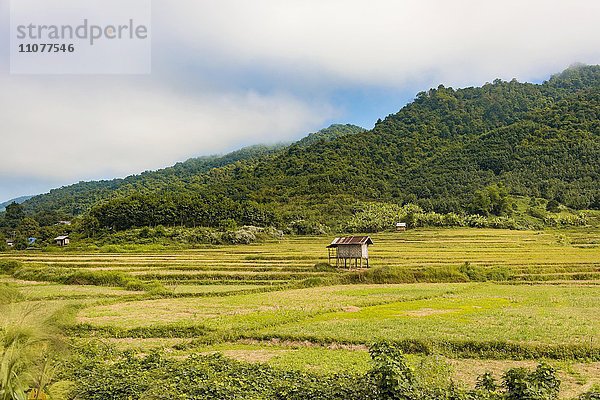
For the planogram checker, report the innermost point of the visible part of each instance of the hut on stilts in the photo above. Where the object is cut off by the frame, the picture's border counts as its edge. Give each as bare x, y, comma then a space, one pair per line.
347, 249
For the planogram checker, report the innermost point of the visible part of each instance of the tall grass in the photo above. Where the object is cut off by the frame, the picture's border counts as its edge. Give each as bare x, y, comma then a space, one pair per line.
27, 350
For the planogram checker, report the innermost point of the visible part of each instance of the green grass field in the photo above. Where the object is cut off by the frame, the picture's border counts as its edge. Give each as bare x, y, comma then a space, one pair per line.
476, 299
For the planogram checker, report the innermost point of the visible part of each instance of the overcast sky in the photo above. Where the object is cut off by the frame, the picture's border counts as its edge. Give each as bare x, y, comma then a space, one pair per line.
229, 73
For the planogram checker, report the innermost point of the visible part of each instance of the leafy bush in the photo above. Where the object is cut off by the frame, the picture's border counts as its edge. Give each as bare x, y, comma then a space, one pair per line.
537, 212
393, 379
486, 388
541, 384
553, 206
560, 220
377, 217
307, 227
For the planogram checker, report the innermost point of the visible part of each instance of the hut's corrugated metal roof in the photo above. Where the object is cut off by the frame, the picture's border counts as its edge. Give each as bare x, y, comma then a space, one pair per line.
350, 240
61, 237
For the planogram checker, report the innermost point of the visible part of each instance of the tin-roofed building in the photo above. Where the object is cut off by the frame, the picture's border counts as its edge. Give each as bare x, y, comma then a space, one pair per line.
400, 226
350, 248
62, 240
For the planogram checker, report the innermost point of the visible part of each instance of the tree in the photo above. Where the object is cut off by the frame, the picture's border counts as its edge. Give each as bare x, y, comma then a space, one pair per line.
481, 203
28, 227
14, 214
553, 206
493, 200
89, 225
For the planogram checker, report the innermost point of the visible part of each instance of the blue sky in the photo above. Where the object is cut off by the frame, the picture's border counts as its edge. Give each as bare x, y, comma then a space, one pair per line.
228, 73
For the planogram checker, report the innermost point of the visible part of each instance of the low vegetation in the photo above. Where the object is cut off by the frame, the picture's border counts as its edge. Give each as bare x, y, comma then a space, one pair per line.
273, 320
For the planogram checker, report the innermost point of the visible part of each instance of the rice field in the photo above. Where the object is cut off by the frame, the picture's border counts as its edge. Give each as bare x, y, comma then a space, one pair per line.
276, 303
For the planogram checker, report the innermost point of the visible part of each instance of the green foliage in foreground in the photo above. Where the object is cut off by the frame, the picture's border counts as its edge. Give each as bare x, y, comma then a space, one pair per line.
27, 353
102, 373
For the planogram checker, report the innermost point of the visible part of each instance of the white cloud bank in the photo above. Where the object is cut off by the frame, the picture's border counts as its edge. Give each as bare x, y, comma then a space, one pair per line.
68, 130
390, 42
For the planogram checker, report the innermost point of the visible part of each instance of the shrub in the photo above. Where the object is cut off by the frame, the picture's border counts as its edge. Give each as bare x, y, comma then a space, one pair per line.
9, 266
553, 206
537, 212
541, 384
324, 267
593, 394
103, 373
391, 376
559, 220
241, 236
307, 227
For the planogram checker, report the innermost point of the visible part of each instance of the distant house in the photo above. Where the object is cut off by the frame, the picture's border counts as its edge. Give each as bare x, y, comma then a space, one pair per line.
63, 223
62, 240
350, 248
10, 242
400, 226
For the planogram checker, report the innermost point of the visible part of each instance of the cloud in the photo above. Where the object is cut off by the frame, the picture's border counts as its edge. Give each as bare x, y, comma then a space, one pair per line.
69, 128
391, 42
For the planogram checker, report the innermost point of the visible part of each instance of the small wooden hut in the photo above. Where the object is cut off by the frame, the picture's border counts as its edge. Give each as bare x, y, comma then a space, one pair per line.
348, 249
62, 240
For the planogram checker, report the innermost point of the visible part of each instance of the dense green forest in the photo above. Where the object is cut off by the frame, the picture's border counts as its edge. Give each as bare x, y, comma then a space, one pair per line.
451, 151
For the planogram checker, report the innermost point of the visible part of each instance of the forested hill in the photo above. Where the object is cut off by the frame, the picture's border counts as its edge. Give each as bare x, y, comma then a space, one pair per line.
538, 140
75, 199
